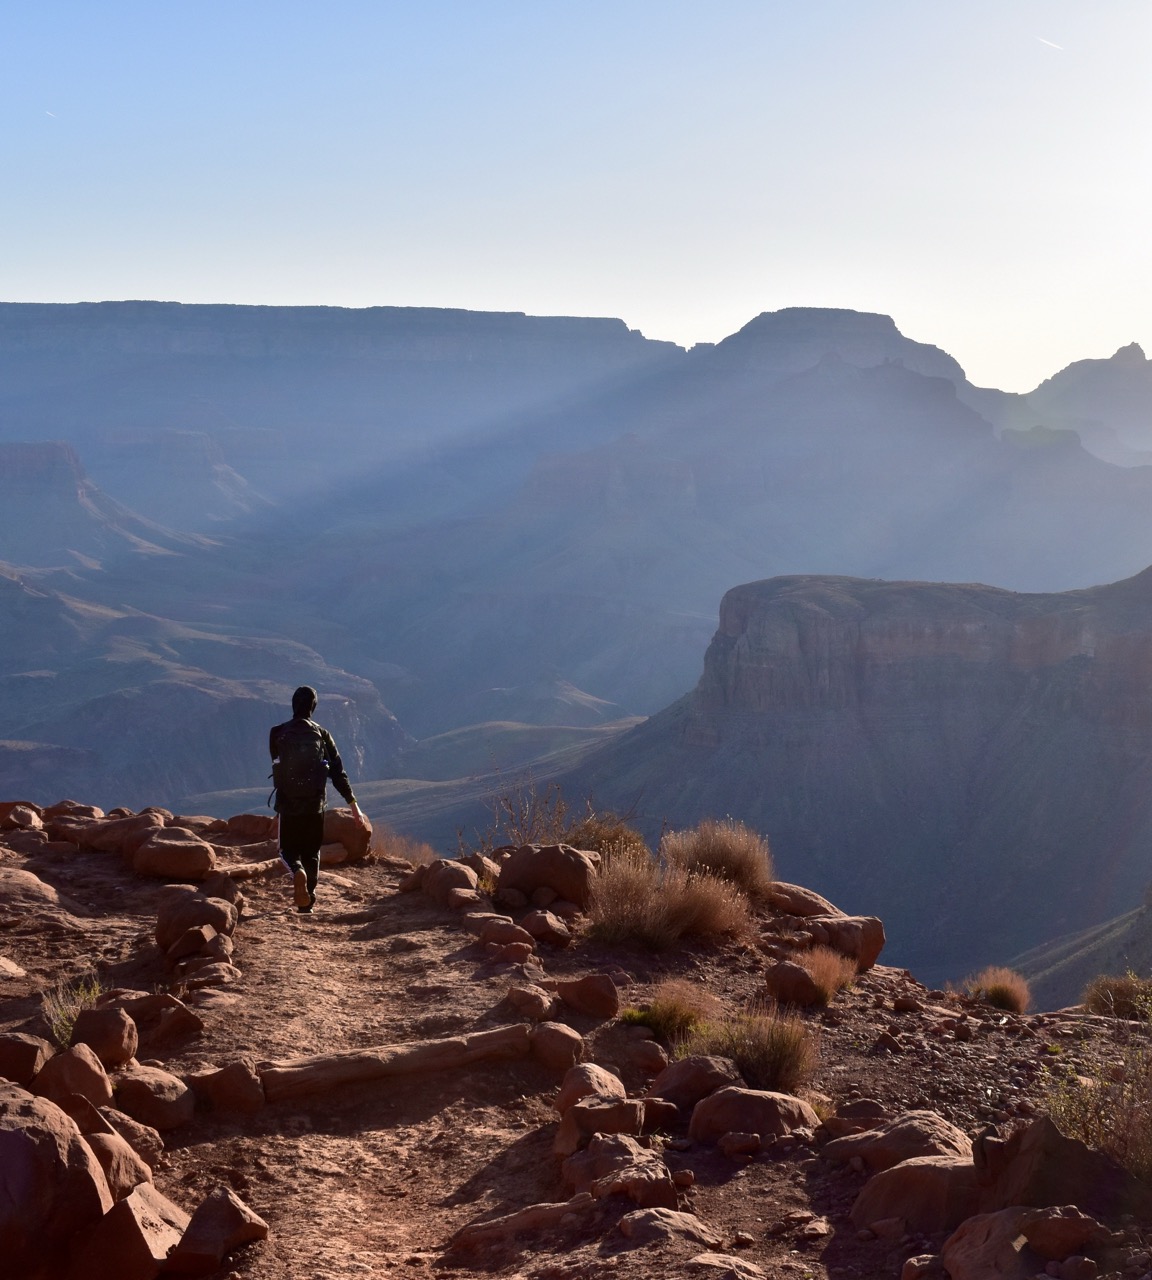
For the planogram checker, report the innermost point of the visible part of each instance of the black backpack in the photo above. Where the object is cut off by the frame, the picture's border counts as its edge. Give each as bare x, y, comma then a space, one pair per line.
301, 772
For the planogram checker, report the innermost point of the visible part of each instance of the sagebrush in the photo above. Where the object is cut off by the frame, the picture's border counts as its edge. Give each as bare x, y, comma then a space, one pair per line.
772, 1051
1001, 988
726, 849
1120, 996
63, 1002
831, 971
676, 1007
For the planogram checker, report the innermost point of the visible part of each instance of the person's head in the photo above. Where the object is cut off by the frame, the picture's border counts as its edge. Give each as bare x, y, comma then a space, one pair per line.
304, 701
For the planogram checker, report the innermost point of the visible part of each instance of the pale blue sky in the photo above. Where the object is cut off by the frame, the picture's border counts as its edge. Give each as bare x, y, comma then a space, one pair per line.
978, 169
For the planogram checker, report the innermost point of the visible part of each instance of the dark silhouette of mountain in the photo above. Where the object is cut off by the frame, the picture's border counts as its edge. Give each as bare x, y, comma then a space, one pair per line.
973, 764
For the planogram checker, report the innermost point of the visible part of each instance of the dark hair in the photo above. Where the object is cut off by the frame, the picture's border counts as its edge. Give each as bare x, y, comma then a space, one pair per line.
304, 701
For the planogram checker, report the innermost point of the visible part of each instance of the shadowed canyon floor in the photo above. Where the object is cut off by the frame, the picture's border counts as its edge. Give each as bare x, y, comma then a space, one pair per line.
376, 1178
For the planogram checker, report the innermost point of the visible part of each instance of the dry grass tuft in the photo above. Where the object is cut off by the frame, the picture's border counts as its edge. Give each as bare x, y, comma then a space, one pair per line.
389, 844
726, 849
675, 1009
634, 901
65, 1000
772, 1051
830, 970
1000, 987
1124, 996
606, 834
1111, 1115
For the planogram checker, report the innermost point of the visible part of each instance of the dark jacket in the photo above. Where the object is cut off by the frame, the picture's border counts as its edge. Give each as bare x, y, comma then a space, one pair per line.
297, 807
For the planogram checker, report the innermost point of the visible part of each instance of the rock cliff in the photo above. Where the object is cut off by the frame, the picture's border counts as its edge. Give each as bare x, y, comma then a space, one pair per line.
973, 764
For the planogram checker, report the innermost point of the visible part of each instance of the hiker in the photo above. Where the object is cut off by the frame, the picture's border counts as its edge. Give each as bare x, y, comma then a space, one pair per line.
304, 758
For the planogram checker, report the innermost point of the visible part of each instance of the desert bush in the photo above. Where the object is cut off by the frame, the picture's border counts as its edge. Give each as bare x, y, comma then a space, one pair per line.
606, 834
1000, 987
830, 970
772, 1051
390, 844
726, 849
1120, 996
634, 900
675, 1009
65, 1000
1112, 1114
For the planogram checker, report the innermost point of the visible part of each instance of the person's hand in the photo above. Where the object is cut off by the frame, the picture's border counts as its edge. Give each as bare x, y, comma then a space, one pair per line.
358, 814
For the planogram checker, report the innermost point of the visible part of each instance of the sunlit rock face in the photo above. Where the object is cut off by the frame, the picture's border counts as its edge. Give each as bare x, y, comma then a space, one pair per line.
973, 765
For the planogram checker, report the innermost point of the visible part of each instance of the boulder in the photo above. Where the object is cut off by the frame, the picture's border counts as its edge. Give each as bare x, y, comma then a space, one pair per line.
793, 900
787, 982
687, 1081
341, 827
568, 872
174, 854
1039, 1167
142, 1138
591, 1116
222, 1222
929, 1193
725, 1266
235, 1087
860, 937
503, 932
556, 1046
133, 1240
991, 1246
651, 1226
109, 1033
221, 885
51, 1187
119, 835
21, 817
250, 826
22, 1056
587, 1081
595, 994
444, 875
547, 928
1058, 1232
474, 922
24, 894
154, 1097
915, 1133
751, 1111
179, 913
616, 1164
647, 1057
7, 807
123, 1168
533, 1002
217, 973
75, 1070
190, 943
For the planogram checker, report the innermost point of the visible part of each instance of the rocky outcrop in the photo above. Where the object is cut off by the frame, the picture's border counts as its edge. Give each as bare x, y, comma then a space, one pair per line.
938, 754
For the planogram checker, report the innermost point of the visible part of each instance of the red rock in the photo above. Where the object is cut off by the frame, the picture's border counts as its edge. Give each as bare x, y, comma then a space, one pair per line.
7, 807
587, 1081
142, 1138
1061, 1231
174, 854
548, 928
123, 1168
556, 1046
341, 827
119, 835
444, 875
793, 900
532, 1002
991, 1246
790, 983
76, 1070
154, 1097
647, 1057
21, 817
191, 942
861, 937
750, 1110
616, 1164
221, 1223
567, 871
178, 914
688, 1080
235, 1087
591, 1116
931, 1193
250, 826
132, 1241
22, 1055
595, 994
109, 1033
915, 1133
53, 1186
658, 1226
501, 933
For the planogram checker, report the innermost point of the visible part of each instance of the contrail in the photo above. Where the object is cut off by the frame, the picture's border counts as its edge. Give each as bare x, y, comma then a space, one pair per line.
1050, 44
52, 114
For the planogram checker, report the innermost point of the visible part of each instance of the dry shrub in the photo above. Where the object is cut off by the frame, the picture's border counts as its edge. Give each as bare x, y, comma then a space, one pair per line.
772, 1051
1124, 996
675, 1009
1111, 1114
65, 1000
390, 844
634, 901
606, 834
1001, 988
830, 970
726, 849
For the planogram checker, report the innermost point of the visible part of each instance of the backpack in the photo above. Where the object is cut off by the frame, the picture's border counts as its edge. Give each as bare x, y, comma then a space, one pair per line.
301, 771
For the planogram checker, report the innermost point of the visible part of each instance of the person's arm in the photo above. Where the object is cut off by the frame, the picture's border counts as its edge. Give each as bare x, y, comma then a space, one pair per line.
339, 777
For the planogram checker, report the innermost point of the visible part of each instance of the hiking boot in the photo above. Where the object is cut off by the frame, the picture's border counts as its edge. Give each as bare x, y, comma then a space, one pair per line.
304, 911
300, 894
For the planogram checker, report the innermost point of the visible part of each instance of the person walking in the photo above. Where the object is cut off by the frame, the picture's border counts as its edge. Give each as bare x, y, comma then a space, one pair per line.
304, 761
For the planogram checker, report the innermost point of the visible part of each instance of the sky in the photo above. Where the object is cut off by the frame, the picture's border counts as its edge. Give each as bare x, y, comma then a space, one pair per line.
977, 169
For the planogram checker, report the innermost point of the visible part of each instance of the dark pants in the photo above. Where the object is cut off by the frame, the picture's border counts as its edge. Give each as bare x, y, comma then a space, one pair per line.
301, 836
